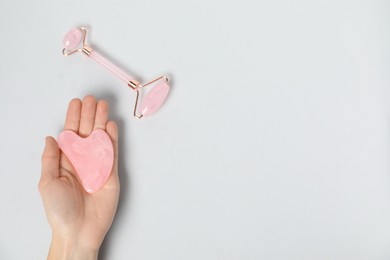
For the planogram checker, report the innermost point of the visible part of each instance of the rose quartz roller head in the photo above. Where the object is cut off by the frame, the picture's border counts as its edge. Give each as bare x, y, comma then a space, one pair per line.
74, 41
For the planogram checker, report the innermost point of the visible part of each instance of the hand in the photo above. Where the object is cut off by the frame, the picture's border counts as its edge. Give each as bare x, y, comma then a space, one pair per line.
79, 220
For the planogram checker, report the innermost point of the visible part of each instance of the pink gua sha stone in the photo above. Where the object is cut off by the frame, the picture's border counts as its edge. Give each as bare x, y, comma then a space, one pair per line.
92, 157
154, 99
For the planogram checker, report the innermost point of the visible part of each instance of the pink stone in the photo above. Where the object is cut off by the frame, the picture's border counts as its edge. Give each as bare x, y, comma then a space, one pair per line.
154, 99
72, 39
91, 157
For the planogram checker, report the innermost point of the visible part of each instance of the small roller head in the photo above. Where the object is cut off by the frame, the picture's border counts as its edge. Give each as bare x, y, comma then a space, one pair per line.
72, 39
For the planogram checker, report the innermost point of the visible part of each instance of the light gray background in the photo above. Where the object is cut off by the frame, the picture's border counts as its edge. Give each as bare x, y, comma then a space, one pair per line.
273, 144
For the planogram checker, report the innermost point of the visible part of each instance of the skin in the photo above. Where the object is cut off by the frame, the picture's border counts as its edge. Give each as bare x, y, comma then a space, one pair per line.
79, 220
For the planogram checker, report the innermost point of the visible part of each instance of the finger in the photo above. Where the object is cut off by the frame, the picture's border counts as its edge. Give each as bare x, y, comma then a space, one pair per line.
112, 131
72, 120
50, 161
101, 116
88, 111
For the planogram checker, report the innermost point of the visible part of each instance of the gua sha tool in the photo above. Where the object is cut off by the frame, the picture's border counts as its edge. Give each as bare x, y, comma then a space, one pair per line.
74, 41
92, 157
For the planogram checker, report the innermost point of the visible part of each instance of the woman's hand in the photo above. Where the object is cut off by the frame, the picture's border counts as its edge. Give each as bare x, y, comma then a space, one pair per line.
79, 220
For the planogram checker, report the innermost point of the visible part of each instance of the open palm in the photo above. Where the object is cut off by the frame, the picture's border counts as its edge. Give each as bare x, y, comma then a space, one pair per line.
77, 217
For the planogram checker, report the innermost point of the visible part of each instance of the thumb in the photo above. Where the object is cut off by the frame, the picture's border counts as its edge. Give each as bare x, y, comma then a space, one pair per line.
50, 161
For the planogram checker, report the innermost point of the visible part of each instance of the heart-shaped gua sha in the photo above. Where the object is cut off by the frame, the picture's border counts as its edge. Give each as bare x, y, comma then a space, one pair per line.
92, 157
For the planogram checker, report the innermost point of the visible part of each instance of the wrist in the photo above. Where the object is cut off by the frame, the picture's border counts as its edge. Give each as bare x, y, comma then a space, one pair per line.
70, 249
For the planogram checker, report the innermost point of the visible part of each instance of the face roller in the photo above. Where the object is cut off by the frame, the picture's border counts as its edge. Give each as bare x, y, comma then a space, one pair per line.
74, 41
